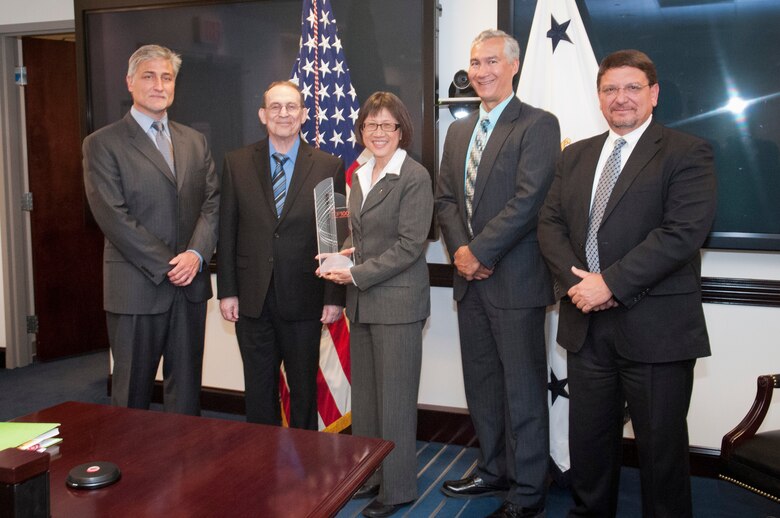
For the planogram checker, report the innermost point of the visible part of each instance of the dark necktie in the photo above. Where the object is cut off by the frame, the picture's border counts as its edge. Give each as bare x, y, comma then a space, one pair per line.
473, 165
279, 182
607, 182
163, 144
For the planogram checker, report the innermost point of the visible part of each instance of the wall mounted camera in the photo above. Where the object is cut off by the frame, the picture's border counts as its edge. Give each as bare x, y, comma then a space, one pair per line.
462, 98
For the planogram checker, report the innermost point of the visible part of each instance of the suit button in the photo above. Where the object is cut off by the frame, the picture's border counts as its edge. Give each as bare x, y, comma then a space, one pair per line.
270, 259
276, 235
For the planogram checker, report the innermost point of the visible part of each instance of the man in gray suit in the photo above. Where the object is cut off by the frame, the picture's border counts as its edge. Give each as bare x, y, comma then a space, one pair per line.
265, 273
495, 171
153, 191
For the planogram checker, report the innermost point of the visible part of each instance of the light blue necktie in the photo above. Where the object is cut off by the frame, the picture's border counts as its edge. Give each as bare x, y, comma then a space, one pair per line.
163, 144
279, 182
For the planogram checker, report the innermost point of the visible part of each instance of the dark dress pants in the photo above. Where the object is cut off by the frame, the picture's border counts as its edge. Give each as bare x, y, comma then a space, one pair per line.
139, 341
505, 377
601, 381
267, 341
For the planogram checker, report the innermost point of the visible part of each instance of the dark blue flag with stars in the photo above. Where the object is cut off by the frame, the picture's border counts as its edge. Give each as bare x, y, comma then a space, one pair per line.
322, 74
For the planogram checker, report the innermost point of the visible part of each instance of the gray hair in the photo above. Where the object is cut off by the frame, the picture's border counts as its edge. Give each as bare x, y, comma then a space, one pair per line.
148, 52
511, 47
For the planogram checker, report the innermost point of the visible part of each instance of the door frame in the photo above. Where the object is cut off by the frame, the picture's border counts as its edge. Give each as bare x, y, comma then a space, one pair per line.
17, 289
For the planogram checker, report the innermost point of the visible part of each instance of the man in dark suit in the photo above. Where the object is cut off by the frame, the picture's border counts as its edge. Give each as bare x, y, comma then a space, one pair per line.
495, 171
267, 248
621, 230
153, 191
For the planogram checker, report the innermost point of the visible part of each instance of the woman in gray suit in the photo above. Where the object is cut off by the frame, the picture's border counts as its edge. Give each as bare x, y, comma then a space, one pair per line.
388, 295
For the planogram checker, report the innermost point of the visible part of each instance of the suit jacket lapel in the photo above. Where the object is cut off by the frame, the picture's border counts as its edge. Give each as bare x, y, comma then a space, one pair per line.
303, 165
179, 157
262, 164
588, 164
146, 147
498, 136
380, 191
355, 201
647, 146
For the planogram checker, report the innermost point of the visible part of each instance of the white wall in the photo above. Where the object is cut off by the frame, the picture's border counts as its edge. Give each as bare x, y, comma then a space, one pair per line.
441, 380
745, 340
19, 12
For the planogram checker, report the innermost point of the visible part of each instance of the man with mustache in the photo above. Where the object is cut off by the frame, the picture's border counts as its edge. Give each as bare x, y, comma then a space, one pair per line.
621, 230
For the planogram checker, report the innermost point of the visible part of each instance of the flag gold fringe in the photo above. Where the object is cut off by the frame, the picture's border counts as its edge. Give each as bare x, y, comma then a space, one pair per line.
339, 424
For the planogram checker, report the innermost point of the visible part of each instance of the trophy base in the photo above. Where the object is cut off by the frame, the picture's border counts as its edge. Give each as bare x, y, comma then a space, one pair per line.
335, 262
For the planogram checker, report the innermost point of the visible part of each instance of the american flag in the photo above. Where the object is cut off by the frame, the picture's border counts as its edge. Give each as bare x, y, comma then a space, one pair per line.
322, 74
332, 107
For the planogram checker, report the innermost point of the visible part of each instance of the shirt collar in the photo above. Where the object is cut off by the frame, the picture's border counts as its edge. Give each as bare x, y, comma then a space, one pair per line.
146, 122
631, 138
292, 154
392, 167
496, 112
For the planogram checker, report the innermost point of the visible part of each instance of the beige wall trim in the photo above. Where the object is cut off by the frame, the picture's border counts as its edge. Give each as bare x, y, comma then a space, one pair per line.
12, 220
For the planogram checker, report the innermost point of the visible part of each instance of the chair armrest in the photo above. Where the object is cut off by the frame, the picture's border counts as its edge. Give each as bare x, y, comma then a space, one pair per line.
748, 427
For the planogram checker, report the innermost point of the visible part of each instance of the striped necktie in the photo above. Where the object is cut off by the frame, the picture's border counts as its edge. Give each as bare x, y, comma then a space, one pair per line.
609, 176
473, 165
279, 182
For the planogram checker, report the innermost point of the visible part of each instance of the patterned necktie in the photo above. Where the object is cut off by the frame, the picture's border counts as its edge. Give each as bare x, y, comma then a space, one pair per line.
279, 182
607, 182
473, 165
163, 144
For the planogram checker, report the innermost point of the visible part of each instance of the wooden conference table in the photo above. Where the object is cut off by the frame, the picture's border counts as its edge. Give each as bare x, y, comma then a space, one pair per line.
174, 465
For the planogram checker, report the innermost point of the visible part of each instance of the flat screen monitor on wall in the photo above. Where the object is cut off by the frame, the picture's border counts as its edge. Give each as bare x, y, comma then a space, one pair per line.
719, 78
232, 50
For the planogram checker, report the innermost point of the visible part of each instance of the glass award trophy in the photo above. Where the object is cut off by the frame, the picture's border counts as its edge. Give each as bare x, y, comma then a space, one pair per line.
332, 226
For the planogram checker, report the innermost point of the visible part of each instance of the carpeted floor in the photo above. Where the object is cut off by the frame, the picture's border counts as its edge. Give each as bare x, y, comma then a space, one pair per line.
83, 378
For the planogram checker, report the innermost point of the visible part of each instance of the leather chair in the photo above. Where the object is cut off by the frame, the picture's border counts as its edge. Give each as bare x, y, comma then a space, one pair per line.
749, 459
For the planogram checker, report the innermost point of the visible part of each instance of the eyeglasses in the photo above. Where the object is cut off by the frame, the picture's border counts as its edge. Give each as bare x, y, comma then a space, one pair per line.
388, 127
276, 108
631, 90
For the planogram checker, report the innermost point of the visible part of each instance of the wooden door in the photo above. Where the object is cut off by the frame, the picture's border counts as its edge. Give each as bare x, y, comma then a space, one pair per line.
66, 242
